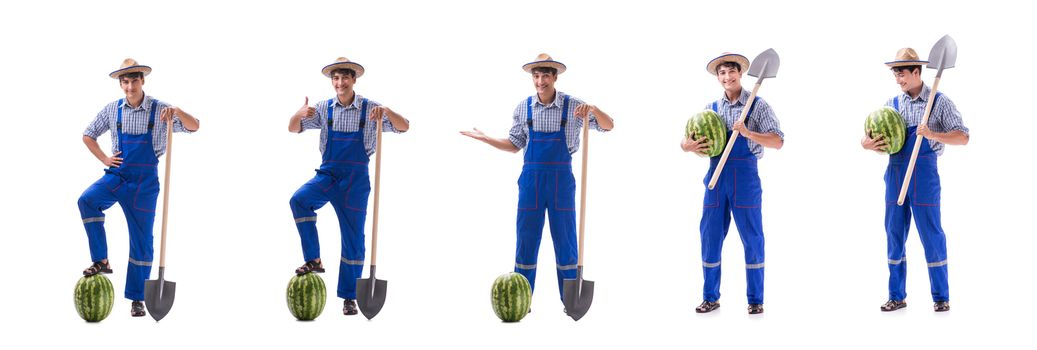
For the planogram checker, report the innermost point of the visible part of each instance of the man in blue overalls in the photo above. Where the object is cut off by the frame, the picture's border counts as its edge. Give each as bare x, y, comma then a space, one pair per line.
346, 141
138, 125
923, 194
548, 127
737, 192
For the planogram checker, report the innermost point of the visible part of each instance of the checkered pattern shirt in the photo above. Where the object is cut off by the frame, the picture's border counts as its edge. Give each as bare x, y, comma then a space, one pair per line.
943, 118
346, 119
762, 119
548, 118
134, 122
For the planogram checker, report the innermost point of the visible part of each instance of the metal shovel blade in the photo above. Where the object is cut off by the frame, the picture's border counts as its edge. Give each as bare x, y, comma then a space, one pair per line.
943, 54
577, 295
765, 65
370, 295
158, 297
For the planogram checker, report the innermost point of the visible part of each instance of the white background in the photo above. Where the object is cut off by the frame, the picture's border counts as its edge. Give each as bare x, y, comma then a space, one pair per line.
447, 225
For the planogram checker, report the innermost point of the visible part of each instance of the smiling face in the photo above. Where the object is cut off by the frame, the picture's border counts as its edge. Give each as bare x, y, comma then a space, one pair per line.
132, 85
909, 78
343, 81
544, 80
729, 74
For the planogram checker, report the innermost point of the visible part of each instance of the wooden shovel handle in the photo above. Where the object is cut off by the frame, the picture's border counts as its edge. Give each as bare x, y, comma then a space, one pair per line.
583, 186
377, 181
165, 193
734, 136
918, 143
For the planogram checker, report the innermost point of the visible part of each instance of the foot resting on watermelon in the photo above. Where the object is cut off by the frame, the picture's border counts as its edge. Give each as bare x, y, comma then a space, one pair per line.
349, 307
310, 266
98, 267
137, 308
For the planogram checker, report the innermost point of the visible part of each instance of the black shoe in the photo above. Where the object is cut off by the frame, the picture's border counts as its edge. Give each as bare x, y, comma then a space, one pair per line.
707, 306
137, 309
349, 307
98, 267
942, 306
755, 309
310, 266
893, 305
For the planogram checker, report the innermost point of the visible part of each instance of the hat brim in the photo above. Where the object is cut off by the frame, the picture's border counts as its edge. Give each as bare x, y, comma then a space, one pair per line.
906, 63
743, 62
131, 69
340, 65
528, 67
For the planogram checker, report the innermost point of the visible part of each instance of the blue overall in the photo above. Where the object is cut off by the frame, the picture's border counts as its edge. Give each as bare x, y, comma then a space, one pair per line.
546, 183
134, 185
342, 180
923, 195
736, 193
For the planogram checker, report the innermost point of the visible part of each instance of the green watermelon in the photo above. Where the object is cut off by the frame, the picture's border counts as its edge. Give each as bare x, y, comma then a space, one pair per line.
708, 124
306, 296
94, 297
511, 297
887, 122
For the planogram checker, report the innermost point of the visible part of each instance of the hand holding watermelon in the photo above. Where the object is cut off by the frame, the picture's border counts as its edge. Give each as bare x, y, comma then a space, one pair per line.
884, 131
705, 128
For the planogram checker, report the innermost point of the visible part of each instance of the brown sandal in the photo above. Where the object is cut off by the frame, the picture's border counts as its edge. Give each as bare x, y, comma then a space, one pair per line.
97, 268
310, 266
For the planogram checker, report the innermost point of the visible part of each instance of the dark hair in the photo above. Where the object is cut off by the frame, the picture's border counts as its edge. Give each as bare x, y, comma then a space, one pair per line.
729, 64
132, 75
545, 70
909, 69
344, 71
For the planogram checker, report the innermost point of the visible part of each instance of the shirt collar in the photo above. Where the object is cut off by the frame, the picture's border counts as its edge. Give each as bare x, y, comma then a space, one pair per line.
145, 104
559, 97
356, 101
742, 98
922, 95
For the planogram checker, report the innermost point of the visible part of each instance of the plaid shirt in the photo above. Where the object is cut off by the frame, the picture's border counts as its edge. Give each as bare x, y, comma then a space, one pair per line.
547, 118
943, 118
134, 122
762, 120
346, 119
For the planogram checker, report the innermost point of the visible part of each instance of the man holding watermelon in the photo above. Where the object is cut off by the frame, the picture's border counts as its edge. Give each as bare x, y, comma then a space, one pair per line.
945, 127
347, 139
548, 126
138, 126
737, 192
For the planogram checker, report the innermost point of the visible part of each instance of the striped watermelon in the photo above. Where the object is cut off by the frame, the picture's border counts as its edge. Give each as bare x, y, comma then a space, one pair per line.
887, 122
306, 296
94, 297
708, 124
511, 297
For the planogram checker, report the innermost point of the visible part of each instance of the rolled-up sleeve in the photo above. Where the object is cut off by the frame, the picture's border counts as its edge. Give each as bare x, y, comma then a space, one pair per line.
519, 132
950, 118
765, 120
386, 124
99, 126
594, 119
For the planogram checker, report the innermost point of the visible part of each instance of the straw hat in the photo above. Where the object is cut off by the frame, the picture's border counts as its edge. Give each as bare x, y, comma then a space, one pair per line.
906, 57
340, 63
130, 65
742, 62
544, 60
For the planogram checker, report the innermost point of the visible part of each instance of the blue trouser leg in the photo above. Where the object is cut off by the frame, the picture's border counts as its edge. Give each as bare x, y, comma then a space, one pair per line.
305, 202
716, 220
749, 222
898, 224
92, 203
934, 242
138, 202
562, 215
350, 204
529, 226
